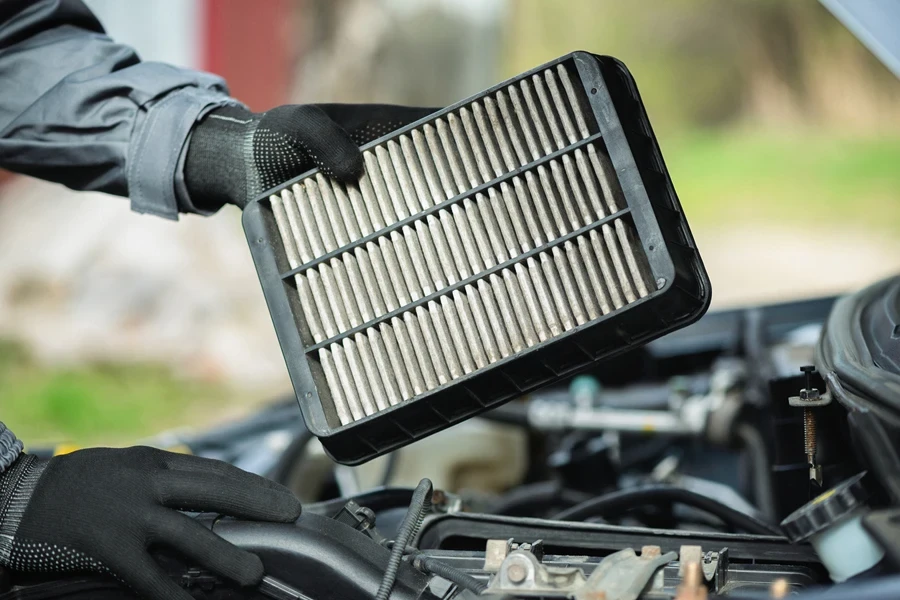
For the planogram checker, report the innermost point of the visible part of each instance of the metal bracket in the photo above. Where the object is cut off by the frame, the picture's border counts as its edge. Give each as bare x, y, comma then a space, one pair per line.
620, 576
623, 575
810, 398
522, 574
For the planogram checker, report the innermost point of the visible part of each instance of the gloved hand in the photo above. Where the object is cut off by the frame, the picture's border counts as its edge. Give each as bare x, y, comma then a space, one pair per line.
235, 155
101, 509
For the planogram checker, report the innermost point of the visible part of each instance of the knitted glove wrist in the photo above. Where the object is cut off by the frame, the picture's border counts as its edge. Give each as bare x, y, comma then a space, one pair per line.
17, 484
235, 155
10, 448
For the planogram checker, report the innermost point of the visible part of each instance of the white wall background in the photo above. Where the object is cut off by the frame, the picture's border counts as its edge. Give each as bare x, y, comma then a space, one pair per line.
160, 30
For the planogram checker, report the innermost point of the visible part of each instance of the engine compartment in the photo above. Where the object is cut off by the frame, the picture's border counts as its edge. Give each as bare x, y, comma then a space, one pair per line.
667, 472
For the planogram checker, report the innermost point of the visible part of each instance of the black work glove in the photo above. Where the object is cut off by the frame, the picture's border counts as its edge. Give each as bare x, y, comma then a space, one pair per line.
101, 509
234, 155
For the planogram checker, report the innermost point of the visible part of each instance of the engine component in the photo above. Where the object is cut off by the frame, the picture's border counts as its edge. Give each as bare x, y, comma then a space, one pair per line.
466, 531
855, 348
711, 413
619, 576
489, 249
621, 500
884, 525
621, 572
691, 586
808, 399
833, 525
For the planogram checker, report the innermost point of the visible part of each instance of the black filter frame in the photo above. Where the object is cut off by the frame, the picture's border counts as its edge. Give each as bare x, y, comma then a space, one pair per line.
681, 296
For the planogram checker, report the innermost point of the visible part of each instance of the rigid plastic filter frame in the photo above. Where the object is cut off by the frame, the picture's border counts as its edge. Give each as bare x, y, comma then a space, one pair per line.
491, 248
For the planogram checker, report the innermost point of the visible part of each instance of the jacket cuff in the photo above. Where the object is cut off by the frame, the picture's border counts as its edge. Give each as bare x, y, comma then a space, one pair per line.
156, 154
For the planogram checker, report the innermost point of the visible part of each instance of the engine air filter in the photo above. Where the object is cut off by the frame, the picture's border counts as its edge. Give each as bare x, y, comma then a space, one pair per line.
490, 248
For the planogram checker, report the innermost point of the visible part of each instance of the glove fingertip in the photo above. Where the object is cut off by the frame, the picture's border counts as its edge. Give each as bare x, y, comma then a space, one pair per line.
250, 572
276, 507
288, 509
348, 167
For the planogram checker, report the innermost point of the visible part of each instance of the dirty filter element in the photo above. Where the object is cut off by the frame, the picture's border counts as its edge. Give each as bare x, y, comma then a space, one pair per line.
488, 249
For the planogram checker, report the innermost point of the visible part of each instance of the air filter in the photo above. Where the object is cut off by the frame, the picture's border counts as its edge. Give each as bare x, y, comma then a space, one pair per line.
489, 249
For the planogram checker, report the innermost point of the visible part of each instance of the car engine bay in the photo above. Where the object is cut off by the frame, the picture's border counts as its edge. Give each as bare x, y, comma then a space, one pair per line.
619, 442
679, 470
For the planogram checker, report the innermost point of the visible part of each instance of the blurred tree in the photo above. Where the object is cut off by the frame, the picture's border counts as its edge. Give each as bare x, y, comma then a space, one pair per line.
709, 63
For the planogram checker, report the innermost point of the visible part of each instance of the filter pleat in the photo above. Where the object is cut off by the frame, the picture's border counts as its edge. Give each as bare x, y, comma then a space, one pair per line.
335, 387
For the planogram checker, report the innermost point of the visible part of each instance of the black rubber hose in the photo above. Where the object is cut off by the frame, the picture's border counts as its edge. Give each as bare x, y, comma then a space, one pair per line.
433, 566
418, 506
378, 499
758, 455
530, 499
621, 501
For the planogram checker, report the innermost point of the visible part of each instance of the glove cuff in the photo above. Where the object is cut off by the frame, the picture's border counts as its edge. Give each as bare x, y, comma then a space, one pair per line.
10, 448
17, 484
219, 158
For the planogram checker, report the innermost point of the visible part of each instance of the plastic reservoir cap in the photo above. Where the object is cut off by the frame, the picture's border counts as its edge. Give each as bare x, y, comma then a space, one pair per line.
833, 525
826, 510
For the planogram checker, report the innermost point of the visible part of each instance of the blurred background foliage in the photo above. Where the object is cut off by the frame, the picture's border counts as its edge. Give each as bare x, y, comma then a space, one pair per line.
766, 110
103, 402
780, 130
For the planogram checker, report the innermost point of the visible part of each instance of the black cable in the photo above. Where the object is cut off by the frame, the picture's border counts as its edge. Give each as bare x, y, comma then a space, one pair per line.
418, 506
527, 500
758, 455
378, 499
432, 566
621, 501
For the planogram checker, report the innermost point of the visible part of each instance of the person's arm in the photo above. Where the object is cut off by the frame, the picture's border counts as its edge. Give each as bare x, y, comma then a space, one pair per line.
79, 109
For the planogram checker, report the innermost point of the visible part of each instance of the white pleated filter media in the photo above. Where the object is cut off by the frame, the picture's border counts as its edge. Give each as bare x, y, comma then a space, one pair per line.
408, 280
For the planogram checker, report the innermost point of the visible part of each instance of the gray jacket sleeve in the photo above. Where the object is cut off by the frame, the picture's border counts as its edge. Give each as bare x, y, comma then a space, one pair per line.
79, 109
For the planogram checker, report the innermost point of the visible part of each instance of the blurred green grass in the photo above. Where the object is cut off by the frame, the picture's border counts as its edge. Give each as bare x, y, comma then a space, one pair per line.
99, 404
739, 177
723, 178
